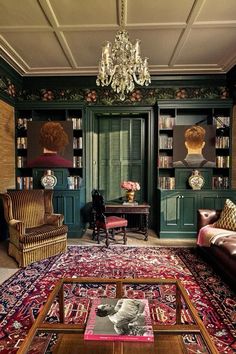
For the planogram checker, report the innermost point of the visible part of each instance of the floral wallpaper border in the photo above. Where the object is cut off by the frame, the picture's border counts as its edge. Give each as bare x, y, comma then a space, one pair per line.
107, 97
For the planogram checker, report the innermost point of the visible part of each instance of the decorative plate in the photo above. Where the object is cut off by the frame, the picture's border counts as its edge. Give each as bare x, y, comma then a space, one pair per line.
48, 180
196, 180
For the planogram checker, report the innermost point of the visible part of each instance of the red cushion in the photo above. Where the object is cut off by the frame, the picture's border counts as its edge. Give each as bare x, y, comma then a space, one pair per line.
112, 222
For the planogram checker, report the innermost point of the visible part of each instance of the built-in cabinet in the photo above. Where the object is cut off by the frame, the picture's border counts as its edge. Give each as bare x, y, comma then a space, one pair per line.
177, 213
69, 192
178, 210
215, 116
178, 201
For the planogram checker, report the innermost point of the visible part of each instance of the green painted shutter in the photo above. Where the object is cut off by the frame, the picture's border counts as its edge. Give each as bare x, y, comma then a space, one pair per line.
121, 148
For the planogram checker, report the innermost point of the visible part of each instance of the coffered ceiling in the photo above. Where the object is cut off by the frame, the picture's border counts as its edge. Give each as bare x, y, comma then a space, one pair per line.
64, 37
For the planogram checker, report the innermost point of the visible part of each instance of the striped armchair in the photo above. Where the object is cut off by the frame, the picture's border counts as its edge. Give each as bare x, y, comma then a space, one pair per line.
35, 232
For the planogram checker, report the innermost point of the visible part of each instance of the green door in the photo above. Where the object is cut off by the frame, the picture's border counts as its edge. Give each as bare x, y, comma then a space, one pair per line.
121, 155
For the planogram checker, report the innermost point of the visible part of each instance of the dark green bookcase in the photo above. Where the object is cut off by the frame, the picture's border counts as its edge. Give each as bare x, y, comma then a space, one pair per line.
67, 201
178, 202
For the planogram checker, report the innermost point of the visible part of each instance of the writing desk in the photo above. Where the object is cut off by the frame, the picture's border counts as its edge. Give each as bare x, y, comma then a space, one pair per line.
140, 209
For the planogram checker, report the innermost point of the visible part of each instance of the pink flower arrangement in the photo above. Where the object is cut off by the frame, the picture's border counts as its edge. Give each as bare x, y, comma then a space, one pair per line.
130, 186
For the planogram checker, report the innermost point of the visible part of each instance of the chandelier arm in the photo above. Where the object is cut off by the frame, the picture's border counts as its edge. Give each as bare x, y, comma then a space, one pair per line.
137, 80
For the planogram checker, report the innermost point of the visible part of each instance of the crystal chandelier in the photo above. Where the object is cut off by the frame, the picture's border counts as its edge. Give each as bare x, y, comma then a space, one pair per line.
121, 64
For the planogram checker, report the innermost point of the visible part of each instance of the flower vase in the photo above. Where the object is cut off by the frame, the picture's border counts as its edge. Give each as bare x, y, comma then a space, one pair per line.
130, 196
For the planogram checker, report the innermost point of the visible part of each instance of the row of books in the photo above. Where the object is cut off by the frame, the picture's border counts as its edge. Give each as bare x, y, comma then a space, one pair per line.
219, 182
222, 161
165, 161
166, 182
21, 143
78, 143
21, 161
166, 122
77, 161
76, 122
74, 182
24, 182
222, 142
221, 121
165, 142
22, 123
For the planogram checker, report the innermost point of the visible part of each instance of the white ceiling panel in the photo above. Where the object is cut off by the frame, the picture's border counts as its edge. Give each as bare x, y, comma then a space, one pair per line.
66, 36
38, 49
154, 11
85, 12
157, 45
87, 45
218, 10
21, 13
222, 43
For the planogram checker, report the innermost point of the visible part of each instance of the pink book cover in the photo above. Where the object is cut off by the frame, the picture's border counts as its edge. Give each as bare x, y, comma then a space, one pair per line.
119, 320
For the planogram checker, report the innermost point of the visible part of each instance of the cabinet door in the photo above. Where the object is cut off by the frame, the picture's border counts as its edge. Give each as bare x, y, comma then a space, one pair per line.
178, 216
69, 204
215, 199
188, 217
170, 211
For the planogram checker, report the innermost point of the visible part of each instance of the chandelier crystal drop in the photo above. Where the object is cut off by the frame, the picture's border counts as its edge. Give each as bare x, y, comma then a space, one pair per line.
121, 64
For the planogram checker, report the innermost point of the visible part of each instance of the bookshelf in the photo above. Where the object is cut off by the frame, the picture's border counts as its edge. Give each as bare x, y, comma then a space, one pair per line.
69, 192
217, 115
24, 175
177, 217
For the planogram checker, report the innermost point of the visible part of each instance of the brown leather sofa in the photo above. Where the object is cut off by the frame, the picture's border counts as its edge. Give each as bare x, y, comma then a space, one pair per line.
221, 253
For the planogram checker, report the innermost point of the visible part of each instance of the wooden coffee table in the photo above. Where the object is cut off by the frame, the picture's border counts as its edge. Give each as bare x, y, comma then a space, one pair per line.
169, 338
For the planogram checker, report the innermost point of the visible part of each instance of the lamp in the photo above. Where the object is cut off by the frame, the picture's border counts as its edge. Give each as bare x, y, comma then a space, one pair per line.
121, 64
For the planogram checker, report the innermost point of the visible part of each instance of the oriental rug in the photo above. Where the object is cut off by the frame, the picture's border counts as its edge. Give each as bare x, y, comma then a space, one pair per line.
22, 295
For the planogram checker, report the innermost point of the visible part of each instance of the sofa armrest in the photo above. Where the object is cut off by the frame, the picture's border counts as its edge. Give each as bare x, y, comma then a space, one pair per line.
206, 217
54, 219
17, 225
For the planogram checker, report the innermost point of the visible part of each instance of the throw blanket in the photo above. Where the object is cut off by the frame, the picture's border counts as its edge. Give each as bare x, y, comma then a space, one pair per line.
209, 234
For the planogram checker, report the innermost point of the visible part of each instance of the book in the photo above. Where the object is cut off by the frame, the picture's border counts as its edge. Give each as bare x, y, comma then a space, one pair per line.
119, 320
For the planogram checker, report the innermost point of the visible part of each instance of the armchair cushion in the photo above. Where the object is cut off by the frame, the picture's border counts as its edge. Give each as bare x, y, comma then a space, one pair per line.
43, 232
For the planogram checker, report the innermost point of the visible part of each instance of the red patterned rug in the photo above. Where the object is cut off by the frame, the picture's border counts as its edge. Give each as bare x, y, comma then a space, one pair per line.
24, 293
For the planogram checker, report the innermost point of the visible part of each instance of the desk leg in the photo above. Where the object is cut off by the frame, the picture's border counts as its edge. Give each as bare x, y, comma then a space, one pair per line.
146, 227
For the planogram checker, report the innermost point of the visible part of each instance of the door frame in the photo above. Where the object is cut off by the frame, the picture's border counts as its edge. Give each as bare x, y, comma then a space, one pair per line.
91, 143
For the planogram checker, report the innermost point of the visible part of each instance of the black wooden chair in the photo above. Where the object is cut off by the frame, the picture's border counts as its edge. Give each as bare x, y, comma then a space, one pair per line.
111, 225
